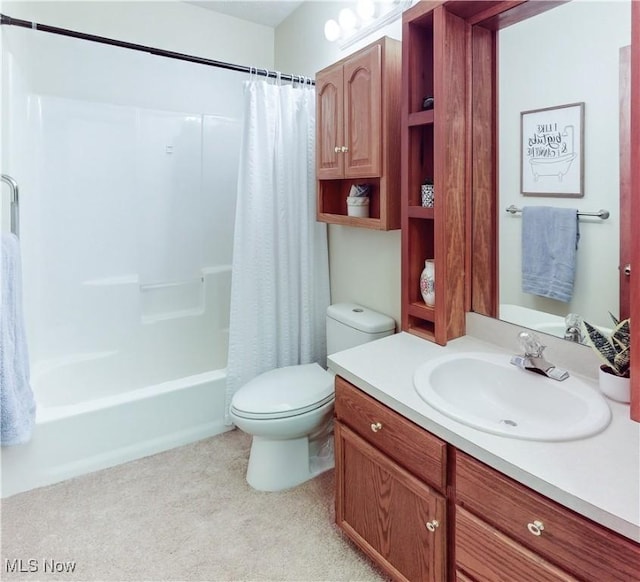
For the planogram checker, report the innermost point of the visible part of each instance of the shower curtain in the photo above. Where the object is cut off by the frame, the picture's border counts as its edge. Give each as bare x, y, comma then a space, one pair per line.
280, 272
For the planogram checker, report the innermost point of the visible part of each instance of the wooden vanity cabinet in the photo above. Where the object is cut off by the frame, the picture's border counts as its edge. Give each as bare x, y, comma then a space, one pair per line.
423, 510
358, 135
395, 518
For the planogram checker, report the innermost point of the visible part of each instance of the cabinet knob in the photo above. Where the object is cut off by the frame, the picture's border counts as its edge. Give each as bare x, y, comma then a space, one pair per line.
337, 149
344, 149
536, 528
376, 426
627, 269
432, 525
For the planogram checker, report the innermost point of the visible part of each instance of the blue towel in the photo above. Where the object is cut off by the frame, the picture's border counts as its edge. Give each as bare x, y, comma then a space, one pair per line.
549, 249
17, 404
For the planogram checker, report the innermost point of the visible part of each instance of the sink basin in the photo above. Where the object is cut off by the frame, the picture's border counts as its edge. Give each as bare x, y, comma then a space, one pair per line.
485, 391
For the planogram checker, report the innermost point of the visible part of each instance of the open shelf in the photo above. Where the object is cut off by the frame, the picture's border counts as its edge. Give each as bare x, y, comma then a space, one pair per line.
420, 212
422, 310
421, 118
332, 199
421, 328
420, 160
420, 66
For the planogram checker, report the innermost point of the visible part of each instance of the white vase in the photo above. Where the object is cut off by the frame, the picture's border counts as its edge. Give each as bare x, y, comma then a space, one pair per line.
428, 283
615, 387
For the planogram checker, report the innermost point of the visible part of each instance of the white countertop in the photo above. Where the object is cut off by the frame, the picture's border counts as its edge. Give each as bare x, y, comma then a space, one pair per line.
598, 477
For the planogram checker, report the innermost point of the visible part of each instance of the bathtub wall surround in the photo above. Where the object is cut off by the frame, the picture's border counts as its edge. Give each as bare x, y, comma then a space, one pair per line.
128, 186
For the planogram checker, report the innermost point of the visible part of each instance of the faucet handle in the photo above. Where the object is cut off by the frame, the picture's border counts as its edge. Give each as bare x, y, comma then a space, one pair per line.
573, 320
531, 344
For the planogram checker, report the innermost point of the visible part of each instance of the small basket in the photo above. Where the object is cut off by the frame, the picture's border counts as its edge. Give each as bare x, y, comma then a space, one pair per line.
358, 206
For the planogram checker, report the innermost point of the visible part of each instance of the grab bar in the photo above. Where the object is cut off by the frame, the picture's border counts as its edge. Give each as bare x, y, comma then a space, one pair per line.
15, 203
604, 214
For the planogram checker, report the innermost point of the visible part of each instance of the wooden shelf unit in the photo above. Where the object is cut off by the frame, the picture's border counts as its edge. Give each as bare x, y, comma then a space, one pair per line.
434, 145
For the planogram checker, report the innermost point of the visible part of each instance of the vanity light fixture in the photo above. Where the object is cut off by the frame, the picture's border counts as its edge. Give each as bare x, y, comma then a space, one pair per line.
368, 17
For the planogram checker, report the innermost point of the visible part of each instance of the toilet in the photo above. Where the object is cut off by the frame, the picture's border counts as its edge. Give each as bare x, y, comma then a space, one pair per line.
289, 411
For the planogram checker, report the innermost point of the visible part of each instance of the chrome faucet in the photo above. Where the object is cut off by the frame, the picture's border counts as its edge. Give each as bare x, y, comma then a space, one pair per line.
573, 328
533, 359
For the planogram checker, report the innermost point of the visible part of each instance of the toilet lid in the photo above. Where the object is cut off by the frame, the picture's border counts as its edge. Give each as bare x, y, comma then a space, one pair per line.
284, 392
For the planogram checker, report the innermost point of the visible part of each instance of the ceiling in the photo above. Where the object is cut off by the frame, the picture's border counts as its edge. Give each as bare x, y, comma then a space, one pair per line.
266, 12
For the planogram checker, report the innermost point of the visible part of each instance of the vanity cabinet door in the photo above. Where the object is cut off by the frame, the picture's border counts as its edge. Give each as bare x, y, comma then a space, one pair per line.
397, 520
489, 556
585, 549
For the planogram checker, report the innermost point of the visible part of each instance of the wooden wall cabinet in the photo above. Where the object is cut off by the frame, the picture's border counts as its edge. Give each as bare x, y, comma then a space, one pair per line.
424, 511
434, 145
358, 135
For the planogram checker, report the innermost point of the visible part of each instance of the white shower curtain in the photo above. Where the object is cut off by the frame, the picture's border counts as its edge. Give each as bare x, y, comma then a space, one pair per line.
280, 272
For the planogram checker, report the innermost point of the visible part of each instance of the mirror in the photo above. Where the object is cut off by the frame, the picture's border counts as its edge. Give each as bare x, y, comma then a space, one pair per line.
548, 61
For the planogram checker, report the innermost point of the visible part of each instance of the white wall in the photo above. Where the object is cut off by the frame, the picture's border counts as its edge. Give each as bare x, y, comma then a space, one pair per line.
364, 264
567, 55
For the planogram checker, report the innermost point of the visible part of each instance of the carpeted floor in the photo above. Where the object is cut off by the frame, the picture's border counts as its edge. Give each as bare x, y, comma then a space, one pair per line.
187, 514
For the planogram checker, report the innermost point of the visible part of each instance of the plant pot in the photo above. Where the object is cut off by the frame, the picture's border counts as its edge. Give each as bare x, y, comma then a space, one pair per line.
615, 387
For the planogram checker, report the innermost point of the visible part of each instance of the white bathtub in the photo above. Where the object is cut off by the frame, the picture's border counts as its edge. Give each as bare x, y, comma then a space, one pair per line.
74, 439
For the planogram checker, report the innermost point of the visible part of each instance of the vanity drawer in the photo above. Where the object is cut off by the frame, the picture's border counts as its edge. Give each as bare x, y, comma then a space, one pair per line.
406, 443
581, 547
488, 555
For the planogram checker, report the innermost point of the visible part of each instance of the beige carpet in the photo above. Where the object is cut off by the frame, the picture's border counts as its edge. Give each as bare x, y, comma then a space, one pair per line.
187, 514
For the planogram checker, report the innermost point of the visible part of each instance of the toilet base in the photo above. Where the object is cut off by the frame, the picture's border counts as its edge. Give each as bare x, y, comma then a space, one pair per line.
275, 465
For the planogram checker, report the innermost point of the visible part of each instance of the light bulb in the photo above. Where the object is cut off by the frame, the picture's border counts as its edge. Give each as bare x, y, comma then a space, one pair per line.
365, 9
331, 30
347, 20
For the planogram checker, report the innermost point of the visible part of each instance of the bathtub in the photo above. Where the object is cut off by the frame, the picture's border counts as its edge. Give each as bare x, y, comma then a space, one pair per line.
71, 439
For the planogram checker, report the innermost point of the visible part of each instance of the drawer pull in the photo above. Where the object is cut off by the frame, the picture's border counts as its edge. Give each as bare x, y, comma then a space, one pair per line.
432, 525
536, 528
376, 426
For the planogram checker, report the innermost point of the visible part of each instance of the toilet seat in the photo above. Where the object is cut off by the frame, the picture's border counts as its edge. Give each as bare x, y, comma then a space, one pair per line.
284, 392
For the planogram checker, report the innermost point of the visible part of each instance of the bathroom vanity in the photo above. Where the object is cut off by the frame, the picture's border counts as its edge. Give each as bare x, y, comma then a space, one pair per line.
427, 497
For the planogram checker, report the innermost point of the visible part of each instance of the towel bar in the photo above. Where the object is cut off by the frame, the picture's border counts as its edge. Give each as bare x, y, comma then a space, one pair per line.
15, 203
603, 214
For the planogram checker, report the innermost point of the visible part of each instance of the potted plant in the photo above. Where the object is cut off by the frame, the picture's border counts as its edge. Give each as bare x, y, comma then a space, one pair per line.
615, 352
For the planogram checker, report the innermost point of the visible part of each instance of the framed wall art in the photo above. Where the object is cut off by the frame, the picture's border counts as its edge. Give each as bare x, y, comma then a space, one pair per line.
552, 151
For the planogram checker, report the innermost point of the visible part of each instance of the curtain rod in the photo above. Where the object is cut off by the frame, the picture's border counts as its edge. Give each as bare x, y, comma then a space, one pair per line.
8, 20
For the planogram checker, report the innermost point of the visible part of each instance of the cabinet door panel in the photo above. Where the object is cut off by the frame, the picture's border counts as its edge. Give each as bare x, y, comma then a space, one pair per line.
329, 126
580, 546
490, 556
385, 511
363, 114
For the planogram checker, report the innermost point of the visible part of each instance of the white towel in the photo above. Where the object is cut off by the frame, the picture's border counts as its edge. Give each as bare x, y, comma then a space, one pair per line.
17, 404
549, 244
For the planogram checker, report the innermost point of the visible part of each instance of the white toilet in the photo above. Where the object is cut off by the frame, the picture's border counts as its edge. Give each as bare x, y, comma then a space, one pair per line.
289, 411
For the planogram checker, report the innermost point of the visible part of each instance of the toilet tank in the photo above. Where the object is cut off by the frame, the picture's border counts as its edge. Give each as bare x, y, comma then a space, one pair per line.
349, 325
